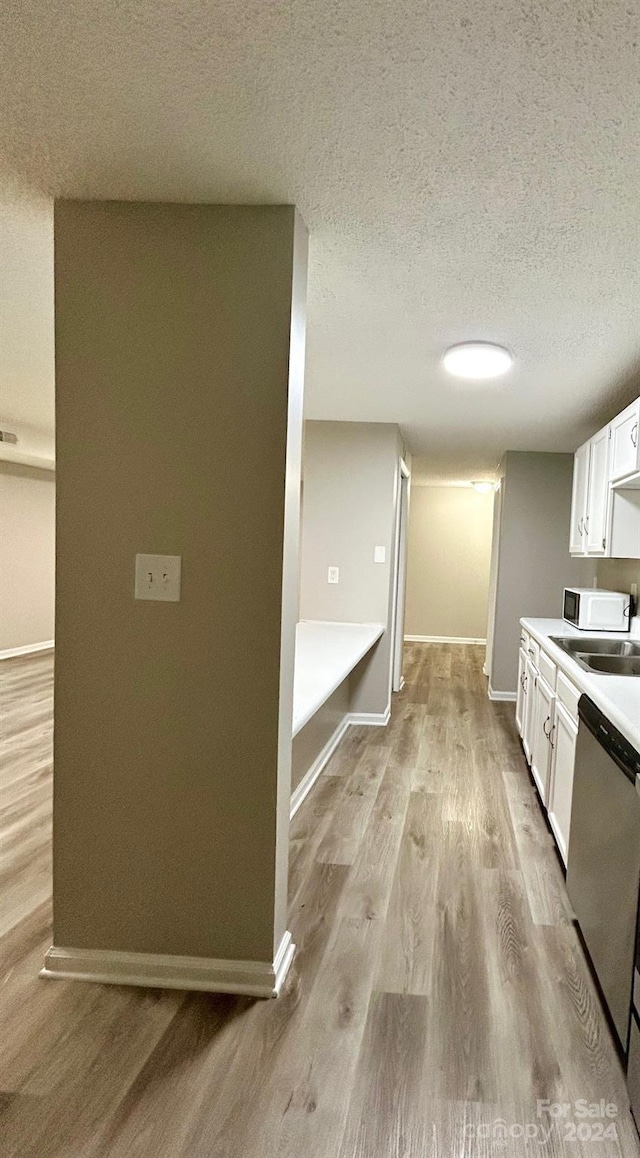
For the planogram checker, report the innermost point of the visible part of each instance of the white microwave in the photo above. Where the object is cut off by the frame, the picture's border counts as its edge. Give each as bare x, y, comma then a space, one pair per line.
590, 609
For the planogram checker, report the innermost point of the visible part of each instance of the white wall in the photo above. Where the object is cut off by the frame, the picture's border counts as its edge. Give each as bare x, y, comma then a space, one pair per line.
349, 494
27, 555
448, 562
26, 309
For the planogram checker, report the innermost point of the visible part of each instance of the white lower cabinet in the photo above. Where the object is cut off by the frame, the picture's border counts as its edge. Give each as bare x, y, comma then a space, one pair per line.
529, 718
541, 749
521, 697
547, 720
565, 733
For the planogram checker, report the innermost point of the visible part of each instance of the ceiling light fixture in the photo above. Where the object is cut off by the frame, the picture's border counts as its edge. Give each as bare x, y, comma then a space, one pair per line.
482, 488
477, 360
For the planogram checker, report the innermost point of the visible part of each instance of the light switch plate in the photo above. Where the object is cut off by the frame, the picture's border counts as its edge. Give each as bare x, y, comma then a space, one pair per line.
379, 554
333, 575
158, 577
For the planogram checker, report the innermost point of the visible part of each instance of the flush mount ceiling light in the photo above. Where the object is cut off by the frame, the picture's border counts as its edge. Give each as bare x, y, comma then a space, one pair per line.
477, 360
482, 488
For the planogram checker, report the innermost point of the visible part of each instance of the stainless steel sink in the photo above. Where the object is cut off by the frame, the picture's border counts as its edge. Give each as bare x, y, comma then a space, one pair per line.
597, 646
626, 665
605, 656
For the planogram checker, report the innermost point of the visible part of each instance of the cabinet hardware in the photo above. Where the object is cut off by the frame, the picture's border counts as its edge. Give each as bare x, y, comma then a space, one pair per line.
586, 525
604, 543
544, 727
634, 434
552, 734
531, 651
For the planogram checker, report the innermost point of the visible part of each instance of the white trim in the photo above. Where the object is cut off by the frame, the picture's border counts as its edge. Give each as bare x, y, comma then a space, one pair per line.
399, 577
10, 453
502, 697
438, 483
28, 649
485, 670
311, 775
441, 639
371, 719
162, 971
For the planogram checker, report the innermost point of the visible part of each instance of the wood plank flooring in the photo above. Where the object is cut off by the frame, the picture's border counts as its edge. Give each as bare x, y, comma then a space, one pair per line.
439, 989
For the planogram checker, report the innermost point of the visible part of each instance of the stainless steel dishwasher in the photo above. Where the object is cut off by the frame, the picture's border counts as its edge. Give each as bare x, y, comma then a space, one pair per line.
603, 868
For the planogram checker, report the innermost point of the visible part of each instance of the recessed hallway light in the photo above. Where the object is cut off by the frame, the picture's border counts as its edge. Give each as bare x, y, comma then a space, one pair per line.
477, 360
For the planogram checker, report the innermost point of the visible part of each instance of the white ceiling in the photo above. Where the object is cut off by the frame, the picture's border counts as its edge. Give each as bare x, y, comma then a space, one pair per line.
466, 171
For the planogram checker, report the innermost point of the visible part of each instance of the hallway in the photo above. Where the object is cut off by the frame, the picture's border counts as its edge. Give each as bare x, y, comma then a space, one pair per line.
438, 986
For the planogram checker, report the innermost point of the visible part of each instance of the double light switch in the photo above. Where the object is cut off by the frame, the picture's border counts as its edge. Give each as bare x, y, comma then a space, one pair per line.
158, 577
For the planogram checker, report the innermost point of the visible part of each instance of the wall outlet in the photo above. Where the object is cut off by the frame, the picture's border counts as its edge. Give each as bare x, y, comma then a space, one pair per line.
379, 554
333, 575
158, 577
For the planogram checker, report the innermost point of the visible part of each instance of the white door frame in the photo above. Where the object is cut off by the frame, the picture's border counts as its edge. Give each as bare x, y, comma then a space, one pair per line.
399, 573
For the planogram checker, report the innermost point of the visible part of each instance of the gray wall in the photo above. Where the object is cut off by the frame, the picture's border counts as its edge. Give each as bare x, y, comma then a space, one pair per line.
179, 346
533, 563
350, 479
310, 740
448, 562
27, 555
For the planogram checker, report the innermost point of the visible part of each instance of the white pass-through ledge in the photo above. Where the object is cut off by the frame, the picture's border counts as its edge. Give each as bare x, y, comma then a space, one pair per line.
325, 655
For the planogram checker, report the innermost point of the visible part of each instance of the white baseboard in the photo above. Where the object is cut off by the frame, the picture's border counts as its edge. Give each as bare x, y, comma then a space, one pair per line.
485, 669
502, 697
311, 775
371, 719
160, 971
28, 649
441, 639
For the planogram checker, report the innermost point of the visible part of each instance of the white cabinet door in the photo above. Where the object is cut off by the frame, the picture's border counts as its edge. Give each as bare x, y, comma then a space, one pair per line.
597, 494
529, 718
564, 752
624, 442
522, 691
541, 742
577, 539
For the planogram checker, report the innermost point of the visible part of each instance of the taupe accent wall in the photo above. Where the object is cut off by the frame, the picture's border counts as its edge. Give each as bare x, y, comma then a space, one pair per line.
179, 348
448, 559
349, 507
617, 574
27, 555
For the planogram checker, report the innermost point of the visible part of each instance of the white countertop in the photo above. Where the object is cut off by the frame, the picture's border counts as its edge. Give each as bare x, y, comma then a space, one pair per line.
618, 697
325, 654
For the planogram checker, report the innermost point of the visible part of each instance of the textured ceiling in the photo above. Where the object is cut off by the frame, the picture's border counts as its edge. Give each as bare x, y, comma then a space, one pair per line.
467, 170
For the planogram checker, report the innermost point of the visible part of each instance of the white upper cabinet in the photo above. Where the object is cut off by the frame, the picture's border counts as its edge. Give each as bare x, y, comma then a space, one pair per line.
577, 544
625, 459
595, 536
605, 505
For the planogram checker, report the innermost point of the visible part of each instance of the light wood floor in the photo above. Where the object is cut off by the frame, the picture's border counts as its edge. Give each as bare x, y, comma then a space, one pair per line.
439, 986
